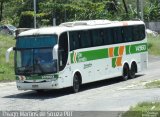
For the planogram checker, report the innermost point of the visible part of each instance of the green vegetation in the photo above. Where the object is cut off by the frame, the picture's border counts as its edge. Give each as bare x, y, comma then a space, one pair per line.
154, 84
145, 109
6, 69
153, 45
17, 11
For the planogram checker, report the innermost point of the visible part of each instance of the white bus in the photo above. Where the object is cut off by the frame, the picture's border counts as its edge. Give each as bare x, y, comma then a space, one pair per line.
75, 53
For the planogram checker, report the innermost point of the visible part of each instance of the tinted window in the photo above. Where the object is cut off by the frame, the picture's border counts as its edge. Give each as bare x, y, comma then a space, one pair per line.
135, 33
141, 32
74, 40
97, 37
108, 36
36, 41
118, 35
63, 50
127, 34
85, 39
138, 32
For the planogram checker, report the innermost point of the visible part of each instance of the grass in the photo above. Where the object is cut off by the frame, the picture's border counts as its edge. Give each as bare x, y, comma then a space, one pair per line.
154, 45
148, 109
154, 84
144, 109
6, 69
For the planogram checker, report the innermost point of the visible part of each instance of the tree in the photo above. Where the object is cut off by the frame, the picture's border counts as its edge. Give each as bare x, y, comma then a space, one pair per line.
1, 8
125, 6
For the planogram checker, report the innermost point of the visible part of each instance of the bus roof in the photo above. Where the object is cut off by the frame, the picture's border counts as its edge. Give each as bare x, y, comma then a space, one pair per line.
78, 25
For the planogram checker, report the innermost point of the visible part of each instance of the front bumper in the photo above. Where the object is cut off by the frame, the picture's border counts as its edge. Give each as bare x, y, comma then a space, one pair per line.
38, 85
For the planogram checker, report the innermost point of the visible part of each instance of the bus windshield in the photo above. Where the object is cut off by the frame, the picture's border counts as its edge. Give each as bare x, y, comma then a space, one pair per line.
34, 55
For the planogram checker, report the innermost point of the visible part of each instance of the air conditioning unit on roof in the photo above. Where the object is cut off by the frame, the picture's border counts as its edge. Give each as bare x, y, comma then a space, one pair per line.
86, 23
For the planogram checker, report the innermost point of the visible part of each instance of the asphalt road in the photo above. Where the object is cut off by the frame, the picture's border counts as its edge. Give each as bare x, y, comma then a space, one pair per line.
108, 95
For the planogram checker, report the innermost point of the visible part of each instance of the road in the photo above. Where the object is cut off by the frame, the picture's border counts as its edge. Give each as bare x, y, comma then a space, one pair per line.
108, 95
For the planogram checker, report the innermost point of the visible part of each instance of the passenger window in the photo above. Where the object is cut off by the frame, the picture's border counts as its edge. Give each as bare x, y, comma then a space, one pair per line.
136, 33
118, 35
108, 36
127, 34
74, 40
85, 39
141, 32
97, 38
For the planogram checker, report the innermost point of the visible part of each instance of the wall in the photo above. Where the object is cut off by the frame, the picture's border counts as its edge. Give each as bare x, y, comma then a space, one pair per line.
155, 26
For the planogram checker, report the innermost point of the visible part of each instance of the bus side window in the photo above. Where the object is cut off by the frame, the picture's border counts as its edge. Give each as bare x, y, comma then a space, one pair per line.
141, 30
118, 35
97, 38
74, 40
135, 33
127, 34
108, 36
85, 39
102, 36
63, 50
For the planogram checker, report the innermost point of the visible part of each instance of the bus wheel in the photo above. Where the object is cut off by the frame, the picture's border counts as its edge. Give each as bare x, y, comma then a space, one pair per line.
76, 83
125, 75
133, 71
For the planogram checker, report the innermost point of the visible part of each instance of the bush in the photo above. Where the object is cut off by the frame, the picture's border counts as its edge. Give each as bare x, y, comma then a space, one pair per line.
27, 19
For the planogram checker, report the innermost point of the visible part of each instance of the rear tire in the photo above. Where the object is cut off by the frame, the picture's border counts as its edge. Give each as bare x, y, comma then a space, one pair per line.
76, 83
132, 72
125, 74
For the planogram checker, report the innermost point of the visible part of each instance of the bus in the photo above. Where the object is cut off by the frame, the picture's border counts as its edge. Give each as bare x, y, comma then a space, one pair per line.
79, 52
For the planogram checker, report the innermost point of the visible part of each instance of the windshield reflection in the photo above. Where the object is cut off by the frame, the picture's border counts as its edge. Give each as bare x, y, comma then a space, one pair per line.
35, 61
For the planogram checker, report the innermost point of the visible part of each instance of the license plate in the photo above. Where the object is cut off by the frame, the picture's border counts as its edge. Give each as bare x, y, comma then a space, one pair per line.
34, 86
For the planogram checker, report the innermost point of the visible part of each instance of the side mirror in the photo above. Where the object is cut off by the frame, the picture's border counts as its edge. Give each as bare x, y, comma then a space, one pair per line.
8, 53
55, 52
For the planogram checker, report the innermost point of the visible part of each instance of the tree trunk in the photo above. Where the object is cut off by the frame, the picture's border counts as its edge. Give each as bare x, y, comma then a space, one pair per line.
1, 10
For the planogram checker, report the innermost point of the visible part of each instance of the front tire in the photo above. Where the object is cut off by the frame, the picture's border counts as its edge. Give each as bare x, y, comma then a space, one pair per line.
76, 83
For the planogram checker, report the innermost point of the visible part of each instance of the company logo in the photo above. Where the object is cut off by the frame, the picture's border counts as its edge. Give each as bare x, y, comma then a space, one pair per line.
78, 57
141, 48
47, 77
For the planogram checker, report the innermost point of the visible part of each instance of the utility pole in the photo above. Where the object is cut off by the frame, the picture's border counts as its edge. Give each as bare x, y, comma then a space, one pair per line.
140, 8
35, 18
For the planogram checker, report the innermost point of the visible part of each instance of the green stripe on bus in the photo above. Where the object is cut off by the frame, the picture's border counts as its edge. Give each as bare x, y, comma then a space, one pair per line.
114, 62
71, 55
137, 48
103, 53
116, 51
128, 49
89, 55
92, 55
